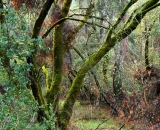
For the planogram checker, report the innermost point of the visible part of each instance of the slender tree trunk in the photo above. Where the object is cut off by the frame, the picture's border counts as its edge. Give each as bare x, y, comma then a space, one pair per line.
117, 74
117, 79
105, 69
147, 64
147, 34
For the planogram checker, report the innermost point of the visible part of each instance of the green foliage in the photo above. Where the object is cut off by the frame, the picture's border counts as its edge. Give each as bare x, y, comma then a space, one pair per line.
50, 123
3, 76
18, 107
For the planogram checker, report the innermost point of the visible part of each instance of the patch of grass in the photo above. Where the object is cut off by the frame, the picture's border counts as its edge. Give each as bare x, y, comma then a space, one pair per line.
93, 124
88, 117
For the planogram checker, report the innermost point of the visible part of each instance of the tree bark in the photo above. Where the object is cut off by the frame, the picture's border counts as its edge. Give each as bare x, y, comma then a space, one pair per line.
60, 47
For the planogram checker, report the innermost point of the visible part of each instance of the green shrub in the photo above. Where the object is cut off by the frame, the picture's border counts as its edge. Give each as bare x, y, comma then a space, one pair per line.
18, 107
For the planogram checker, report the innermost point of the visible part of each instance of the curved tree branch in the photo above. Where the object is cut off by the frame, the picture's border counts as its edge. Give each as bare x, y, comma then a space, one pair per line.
41, 17
69, 18
120, 17
94, 76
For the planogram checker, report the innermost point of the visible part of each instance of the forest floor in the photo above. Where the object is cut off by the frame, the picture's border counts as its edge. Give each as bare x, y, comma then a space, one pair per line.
90, 117
141, 116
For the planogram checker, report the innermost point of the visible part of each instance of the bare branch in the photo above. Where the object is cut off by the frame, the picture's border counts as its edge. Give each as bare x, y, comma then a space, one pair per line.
69, 18
90, 16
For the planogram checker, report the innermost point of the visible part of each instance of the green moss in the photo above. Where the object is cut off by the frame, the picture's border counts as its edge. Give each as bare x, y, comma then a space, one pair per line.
66, 7
45, 71
54, 89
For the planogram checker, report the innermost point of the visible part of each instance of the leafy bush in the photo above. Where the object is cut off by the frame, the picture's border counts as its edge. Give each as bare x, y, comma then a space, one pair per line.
18, 107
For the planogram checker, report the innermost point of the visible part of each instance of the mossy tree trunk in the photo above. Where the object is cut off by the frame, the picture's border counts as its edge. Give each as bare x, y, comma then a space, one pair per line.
59, 49
34, 73
94, 76
53, 91
132, 23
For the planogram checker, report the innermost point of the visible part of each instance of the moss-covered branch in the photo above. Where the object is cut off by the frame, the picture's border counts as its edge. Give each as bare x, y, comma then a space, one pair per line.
120, 17
66, 7
72, 95
69, 18
41, 18
93, 74
79, 26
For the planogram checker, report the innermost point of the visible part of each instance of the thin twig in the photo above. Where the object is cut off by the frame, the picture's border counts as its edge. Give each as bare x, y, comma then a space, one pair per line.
69, 18
102, 123
121, 126
99, 18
